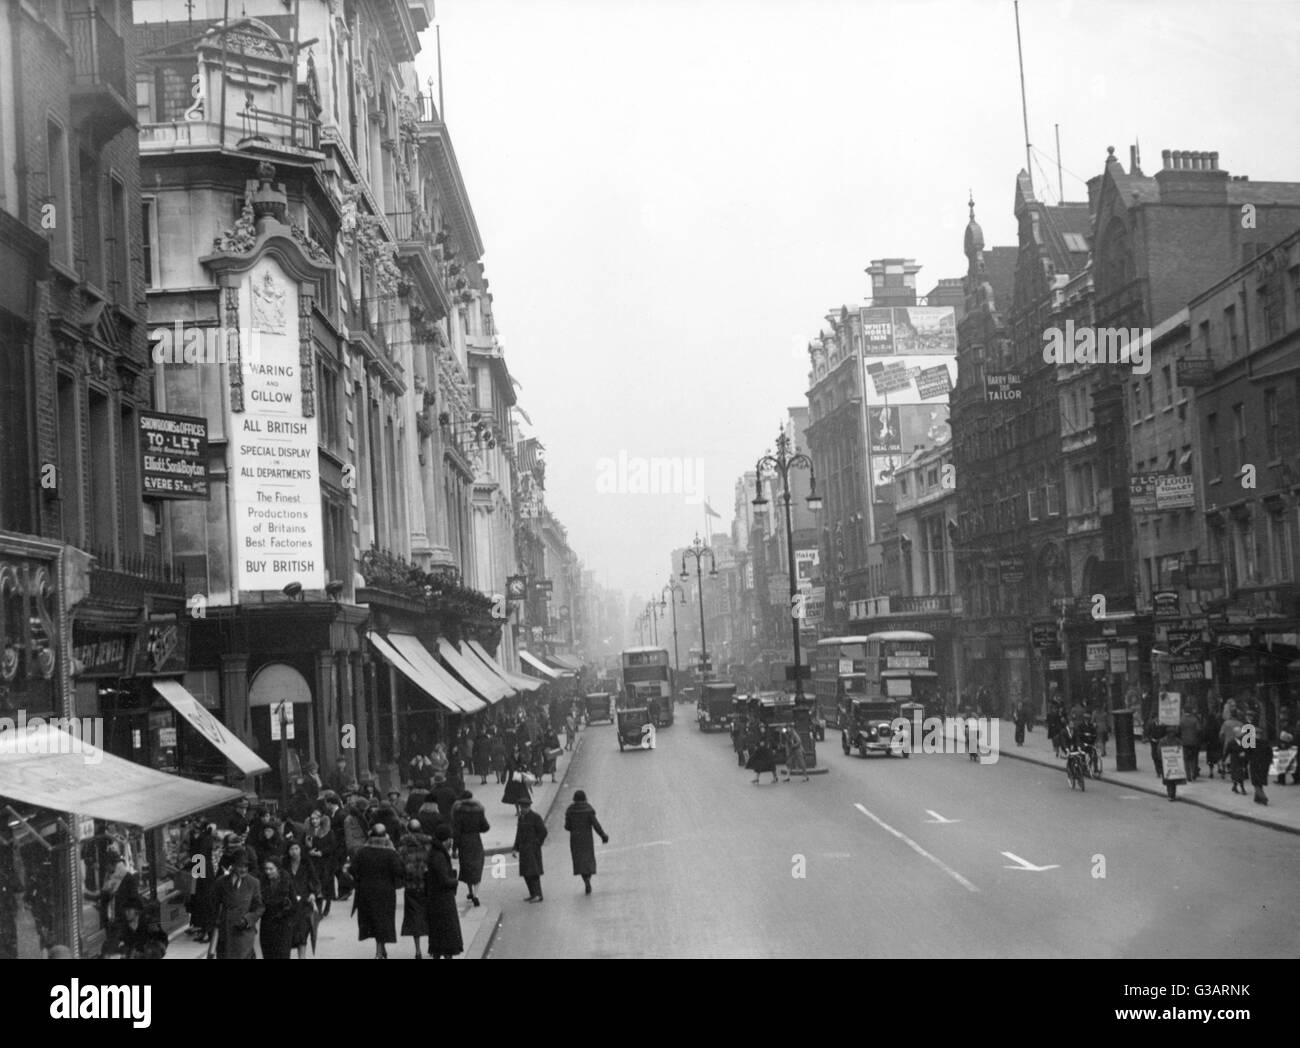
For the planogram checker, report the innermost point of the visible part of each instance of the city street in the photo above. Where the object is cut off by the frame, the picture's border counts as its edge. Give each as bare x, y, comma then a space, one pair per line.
700, 864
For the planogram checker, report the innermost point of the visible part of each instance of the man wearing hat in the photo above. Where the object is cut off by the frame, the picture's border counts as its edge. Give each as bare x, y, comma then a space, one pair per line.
239, 906
239, 822
529, 837
132, 937
341, 780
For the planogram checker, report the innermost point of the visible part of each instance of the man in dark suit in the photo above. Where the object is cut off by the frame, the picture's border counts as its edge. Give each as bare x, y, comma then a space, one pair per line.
529, 837
341, 779
239, 905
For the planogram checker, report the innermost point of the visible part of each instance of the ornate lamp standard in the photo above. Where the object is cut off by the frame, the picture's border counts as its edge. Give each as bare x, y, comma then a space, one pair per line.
780, 464
664, 602
698, 550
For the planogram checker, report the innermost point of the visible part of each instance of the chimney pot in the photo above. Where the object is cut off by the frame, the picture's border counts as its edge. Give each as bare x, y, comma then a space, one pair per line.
1202, 161
1214, 160
1165, 158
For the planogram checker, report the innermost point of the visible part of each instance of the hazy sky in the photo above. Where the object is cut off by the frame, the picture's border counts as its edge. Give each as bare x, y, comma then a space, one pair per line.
673, 193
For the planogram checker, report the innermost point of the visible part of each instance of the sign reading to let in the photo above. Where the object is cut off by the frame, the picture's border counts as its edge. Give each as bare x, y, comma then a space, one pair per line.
173, 456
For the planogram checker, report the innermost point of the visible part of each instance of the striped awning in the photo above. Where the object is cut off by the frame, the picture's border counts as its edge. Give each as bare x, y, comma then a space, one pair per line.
529, 659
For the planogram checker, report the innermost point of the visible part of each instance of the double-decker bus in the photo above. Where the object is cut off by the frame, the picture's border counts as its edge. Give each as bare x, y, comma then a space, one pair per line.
892, 666
647, 682
905, 666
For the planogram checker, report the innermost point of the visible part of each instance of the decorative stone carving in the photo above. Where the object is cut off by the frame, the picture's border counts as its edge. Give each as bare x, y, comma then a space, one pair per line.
233, 350
306, 364
268, 305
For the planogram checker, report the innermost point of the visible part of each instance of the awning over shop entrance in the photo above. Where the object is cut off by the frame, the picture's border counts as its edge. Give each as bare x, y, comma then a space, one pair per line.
566, 662
513, 679
202, 721
403, 651
52, 769
529, 659
487, 684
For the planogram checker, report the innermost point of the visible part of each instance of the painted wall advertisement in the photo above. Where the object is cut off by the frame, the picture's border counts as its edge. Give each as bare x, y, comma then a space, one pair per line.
1158, 492
275, 481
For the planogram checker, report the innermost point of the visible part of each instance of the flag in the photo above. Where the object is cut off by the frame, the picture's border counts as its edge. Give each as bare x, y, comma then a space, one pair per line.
710, 511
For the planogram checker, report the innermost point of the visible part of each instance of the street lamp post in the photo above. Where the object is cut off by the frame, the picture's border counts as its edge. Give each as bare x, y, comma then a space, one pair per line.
780, 464
664, 602
698, 550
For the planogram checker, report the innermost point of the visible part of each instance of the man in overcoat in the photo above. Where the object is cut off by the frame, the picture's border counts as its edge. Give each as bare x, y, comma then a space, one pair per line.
239, 906
529, 837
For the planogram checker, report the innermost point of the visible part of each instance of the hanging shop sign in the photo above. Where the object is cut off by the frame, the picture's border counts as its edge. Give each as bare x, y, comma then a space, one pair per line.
162, 648
1165, 604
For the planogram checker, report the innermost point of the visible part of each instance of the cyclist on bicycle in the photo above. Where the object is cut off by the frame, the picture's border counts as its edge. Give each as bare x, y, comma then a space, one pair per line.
1088, 742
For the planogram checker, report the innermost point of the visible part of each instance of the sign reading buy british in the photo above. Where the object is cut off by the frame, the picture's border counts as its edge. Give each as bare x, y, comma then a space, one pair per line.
273, 456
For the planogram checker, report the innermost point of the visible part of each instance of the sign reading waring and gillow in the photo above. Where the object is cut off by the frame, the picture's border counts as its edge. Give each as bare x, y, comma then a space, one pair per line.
273, 448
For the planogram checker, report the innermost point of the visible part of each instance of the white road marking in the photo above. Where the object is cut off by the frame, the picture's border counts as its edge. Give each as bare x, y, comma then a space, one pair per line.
938, 817
918, 849
1025, 865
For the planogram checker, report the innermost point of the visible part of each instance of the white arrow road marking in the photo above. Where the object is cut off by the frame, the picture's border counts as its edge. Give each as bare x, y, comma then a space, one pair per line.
938, 817
918, 849
1027, 865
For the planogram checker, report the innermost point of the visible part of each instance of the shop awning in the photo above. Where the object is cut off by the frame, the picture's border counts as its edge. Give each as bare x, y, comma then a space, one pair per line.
514, 680
529, 659
477, 676
202, 721
470, 699
49, 768
402, 651
566, 662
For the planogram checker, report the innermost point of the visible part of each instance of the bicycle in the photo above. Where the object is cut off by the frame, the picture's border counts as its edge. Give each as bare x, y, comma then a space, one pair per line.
1076, 768
1093, 767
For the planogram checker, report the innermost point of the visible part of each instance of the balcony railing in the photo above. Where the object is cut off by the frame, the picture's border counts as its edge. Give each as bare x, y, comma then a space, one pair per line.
426, 110
127, 578
411, 226
98, 53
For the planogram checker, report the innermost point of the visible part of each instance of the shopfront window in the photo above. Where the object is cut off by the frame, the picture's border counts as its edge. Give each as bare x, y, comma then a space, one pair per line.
32, 867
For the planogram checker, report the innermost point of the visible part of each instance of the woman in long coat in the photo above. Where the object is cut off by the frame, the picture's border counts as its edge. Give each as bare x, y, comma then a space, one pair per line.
761, 760
305, 885
377, 871
497, 754
517, 791
445, 940
581, 822
322, 848
276, 934
203, 912
468, 823
482, 757
414, 852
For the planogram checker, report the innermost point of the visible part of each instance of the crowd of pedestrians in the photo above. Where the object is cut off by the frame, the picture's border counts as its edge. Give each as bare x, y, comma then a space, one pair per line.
267, 878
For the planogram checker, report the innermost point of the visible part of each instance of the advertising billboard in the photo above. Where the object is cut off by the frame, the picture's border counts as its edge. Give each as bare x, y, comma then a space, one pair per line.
909, 331
173, 456
274, 470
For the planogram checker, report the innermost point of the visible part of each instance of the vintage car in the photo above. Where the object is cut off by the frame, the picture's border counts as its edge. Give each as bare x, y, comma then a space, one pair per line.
600, 706
868, 728
636, 729
713, 712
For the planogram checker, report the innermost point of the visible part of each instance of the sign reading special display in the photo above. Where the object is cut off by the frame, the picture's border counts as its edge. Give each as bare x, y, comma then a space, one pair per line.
273, 448
173, 456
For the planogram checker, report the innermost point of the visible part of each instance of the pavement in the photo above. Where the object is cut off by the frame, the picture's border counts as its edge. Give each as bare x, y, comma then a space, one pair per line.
934, 856
1215, 794
337, 934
